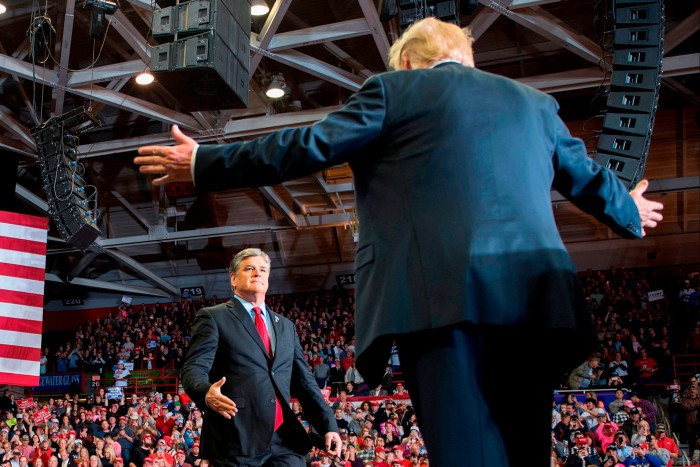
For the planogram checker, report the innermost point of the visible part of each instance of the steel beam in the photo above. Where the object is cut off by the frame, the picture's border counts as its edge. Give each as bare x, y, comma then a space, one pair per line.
15, 127
334, 49
369, 10
30, 198
318, 34
659, 186
682, 31
139, 106
163, 236
485, 19
129, 208
110, 286
143, 271
132, 36
84, 262
317, 68
257, 126
106, 73
268, 31
549, 26
66, 41
275, 200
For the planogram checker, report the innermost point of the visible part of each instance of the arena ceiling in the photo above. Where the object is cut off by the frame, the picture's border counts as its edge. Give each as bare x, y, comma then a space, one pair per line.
325, 49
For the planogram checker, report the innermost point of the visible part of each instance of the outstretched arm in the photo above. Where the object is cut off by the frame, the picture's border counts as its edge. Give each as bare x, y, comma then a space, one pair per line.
172, 163
649, 211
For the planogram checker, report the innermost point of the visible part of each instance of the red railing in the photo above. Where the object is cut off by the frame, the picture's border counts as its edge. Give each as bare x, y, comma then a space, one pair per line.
685, 366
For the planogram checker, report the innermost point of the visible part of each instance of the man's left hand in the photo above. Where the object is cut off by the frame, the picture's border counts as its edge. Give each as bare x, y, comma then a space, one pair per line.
334, 444
649, 211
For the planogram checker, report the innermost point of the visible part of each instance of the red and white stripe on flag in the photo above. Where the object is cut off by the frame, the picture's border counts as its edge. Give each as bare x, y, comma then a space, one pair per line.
22, 276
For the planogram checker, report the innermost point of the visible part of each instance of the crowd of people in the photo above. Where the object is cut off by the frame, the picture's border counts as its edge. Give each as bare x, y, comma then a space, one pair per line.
642, 318
638, 338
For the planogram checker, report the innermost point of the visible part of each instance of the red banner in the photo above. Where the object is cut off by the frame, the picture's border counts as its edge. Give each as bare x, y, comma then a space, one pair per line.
42, 415
24, 404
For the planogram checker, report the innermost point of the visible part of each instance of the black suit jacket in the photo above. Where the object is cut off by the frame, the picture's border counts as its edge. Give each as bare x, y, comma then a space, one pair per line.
226, 343
453, 169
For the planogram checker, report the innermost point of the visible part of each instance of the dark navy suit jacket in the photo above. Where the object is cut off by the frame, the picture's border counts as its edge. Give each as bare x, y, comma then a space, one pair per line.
225, 343
453, 169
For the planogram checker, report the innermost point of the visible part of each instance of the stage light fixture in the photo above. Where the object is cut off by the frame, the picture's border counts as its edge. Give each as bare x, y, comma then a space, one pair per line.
3, 8
144, 78
259, 8
277, 88
98, 10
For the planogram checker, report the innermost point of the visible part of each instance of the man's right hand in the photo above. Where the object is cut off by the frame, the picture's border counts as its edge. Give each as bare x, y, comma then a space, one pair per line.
220, 403
172, 163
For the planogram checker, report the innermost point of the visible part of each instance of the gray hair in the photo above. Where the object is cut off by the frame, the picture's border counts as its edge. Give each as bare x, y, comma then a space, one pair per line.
247, 253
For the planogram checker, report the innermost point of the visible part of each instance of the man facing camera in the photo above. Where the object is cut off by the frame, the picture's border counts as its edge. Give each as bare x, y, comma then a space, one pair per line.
243, 365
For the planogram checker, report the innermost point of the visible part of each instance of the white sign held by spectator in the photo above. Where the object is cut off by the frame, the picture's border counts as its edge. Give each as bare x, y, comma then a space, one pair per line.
115, 393
656, 295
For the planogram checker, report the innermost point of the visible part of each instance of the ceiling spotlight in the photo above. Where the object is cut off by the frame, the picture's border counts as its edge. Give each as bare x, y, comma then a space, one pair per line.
144, 78
3, 8
259, 8
277, 88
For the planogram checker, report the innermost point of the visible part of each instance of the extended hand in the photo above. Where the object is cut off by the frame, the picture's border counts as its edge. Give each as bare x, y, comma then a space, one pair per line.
334, 444
220, 403
172, 162
649, 211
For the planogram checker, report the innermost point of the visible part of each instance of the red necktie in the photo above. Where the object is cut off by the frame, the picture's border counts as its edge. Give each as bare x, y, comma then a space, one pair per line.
262, 330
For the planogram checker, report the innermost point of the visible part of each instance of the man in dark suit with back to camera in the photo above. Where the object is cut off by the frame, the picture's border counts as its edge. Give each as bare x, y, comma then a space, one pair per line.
243, 365
459, 259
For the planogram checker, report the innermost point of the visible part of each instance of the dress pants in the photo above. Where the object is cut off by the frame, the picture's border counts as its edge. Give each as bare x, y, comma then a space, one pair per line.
482, 395
277, 455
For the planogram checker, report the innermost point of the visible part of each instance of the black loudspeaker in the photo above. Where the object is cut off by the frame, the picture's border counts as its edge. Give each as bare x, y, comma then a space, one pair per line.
467, 7
207, 58
411, 11
633, 96
388, 9
72, 209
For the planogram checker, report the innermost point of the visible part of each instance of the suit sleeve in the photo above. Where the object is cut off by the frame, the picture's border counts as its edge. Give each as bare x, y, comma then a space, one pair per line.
592, 188
305, 388
296, 152
200, 357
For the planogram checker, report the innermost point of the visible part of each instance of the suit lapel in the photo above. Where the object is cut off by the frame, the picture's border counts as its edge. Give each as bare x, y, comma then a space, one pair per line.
277, 329
239, 312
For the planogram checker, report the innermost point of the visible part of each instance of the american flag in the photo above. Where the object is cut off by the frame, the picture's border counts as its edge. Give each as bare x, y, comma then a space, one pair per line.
22, 265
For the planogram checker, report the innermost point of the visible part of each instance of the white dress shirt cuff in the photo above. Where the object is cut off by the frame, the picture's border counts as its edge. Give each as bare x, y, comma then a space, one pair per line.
194, 156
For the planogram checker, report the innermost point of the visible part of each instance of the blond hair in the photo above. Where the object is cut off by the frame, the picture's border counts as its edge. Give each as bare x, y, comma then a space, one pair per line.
431, 40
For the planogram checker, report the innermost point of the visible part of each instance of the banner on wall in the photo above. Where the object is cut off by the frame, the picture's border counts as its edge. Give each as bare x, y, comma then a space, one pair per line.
64, 382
